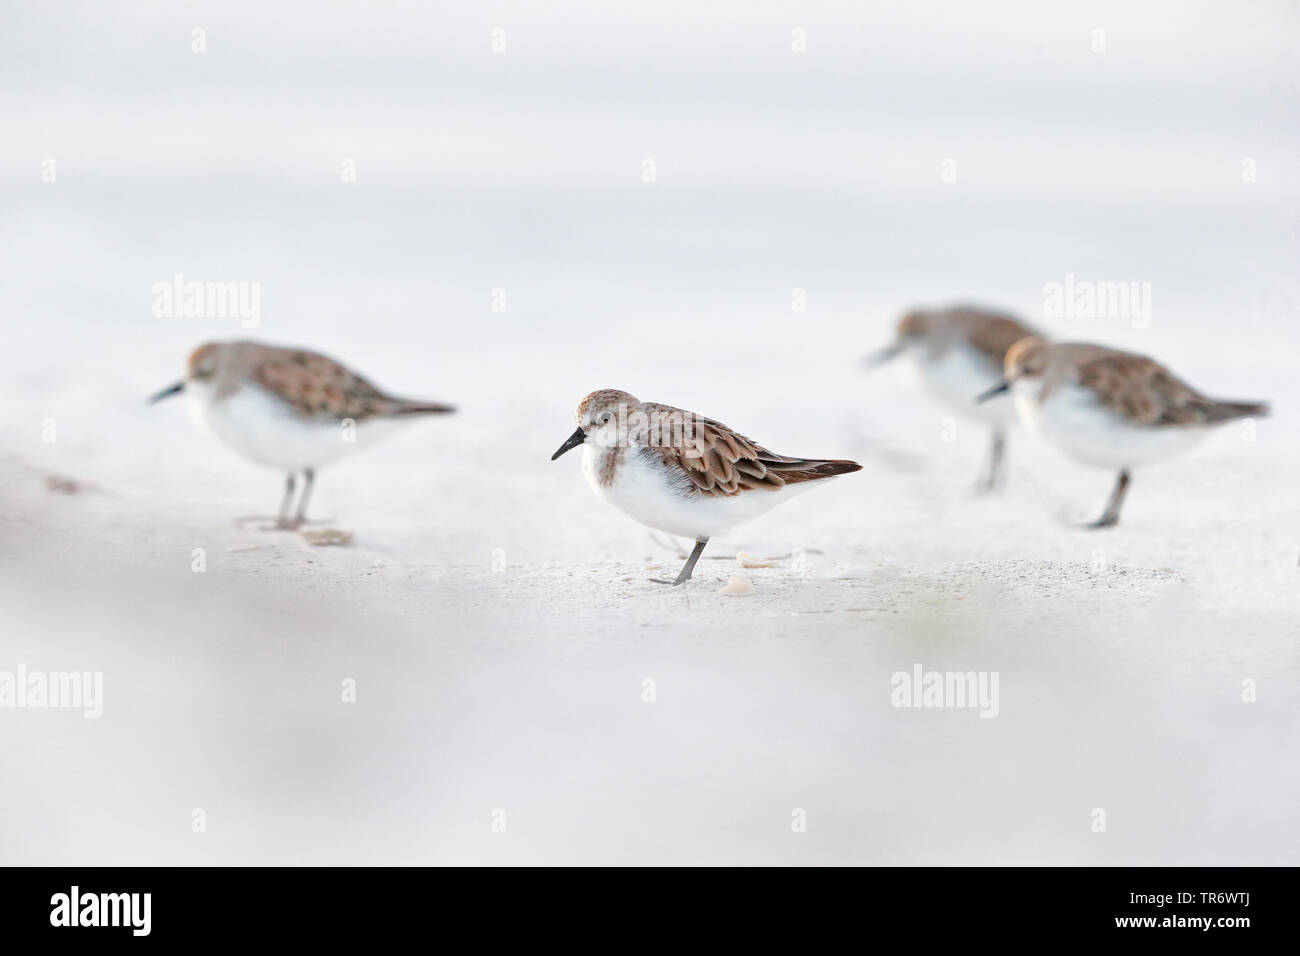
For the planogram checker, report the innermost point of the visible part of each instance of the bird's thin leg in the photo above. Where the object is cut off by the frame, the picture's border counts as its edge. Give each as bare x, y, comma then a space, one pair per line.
998, 459
287, 502
309, 479
1110, 517
991, 480
281, 521
689, 566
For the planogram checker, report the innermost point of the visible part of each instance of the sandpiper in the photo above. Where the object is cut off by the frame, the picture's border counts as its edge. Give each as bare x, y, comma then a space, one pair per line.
1110, 409
288, 408
955, 353
674, 471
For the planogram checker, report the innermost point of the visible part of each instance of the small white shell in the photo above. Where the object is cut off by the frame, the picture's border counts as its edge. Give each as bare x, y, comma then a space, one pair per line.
738, 586
749, 561
327, 537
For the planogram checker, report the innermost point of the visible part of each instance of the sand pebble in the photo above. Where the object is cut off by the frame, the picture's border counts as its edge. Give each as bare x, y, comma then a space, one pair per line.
327, 536
738, 586
63, 485
749, 561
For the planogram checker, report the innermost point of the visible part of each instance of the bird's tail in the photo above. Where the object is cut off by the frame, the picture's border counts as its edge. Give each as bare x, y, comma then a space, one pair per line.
836, 466
810, 469
1226, 411
422, 408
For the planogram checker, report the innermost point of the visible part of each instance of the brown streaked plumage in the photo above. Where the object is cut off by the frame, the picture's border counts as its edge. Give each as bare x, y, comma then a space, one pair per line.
288, 408
312, 384
988, 333
1138, 389
719, 461
958, 352
1111, 409
679, 472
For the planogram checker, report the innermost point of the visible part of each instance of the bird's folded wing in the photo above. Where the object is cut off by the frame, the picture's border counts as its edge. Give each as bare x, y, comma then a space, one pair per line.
1144, 392
993, 335
317, 385
718, 461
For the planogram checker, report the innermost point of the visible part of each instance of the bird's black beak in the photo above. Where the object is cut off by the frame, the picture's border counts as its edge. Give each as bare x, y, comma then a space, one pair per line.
167, 392
570, 443
877, 359
997, 389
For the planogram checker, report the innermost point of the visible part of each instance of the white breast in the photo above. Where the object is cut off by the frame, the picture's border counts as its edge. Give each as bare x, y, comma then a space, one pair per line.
268, 431
642, 489
956, 377
1072, 419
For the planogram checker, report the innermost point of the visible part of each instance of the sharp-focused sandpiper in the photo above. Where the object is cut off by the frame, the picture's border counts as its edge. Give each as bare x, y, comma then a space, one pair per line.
288, 408
955, 353
674, 471
1110, 409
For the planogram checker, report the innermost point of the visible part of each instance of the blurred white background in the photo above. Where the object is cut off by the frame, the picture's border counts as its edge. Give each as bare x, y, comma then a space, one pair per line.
502, 146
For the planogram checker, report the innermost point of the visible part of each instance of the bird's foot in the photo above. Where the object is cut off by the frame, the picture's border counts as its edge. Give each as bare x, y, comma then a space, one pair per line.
269, 522
1105, 521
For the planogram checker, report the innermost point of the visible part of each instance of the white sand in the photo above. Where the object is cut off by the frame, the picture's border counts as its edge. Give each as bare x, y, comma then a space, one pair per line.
498, 621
